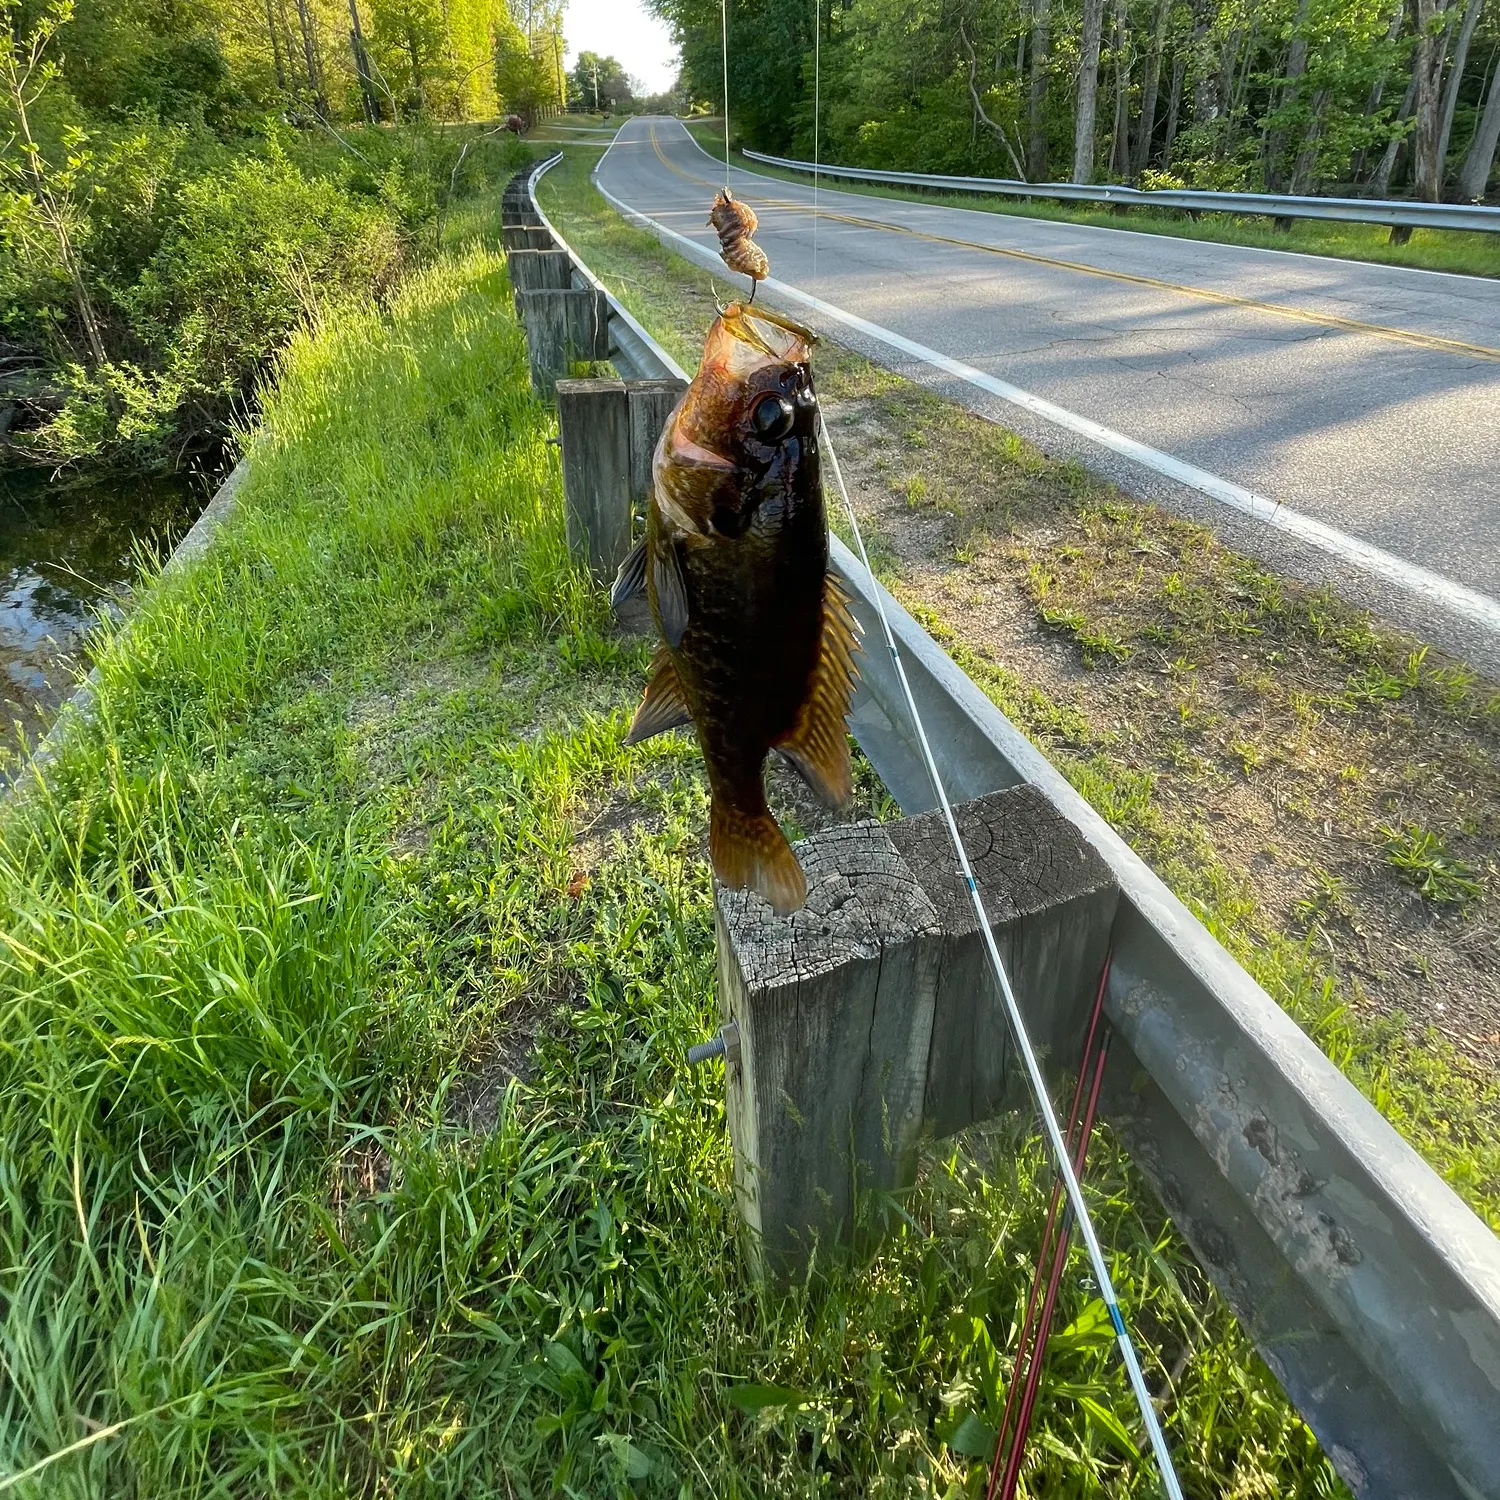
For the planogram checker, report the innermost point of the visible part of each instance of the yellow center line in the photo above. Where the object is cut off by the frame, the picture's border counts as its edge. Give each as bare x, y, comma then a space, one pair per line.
1226, 299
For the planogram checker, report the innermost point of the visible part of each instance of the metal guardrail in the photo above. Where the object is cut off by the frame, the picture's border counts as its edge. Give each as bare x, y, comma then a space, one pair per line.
1391, 211
1370, 1289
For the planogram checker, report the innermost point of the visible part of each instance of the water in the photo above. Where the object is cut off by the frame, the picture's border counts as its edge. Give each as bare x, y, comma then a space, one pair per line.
68, 552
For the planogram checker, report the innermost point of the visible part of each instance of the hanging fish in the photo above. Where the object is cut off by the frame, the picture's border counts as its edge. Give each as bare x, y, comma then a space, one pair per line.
735, 223
757, 639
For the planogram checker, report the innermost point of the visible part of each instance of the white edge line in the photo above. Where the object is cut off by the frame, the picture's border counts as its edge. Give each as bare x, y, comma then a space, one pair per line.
1467, 604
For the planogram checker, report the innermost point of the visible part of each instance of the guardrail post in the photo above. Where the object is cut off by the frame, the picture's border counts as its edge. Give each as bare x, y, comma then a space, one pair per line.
593, 419
651, 403
523, 237
856, 1018
562, 326
540, 270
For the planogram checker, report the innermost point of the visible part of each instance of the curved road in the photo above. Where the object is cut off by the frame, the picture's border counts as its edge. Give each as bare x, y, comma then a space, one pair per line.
1359, 405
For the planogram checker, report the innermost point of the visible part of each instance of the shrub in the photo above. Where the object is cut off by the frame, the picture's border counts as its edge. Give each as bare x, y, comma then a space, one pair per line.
256, 250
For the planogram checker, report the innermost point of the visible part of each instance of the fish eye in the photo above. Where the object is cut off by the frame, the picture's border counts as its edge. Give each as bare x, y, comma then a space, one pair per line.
772, 418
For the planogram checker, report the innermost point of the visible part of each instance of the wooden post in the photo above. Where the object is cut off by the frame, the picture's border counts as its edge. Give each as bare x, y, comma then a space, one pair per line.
594, 422
1051, 900
869, 1018
834, 1010
540, 270
651, 403
522, 237
562, 326
545, 316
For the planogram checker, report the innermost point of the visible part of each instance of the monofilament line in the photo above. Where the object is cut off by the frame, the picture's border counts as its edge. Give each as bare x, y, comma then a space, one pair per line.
817, 100
724, 47
1038, 1083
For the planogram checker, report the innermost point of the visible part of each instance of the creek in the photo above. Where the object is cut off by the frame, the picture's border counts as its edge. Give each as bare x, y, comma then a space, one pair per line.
69, 553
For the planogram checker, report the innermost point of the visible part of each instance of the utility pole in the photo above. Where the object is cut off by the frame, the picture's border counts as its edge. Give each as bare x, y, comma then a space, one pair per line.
595, 66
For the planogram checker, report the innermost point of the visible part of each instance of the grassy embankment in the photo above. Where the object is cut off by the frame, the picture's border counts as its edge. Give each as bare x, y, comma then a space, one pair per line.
351, 843
1326, 796
1427, 249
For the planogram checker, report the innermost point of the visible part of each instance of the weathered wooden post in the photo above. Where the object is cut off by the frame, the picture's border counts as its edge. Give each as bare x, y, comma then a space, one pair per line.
562, 326
524, 237
593, 420
539, 270
868, 1020
608, 430
651, 403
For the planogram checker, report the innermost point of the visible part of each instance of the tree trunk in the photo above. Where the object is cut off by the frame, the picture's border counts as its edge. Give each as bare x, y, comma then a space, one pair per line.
1291, 89
1302, 169
1380, 183
1427, 69
1455, 80
997, 130
1480, 161
1119, 142
310, 56
1146, 126
1036, 148
1174, 108
1377, 89
417, 88
275, 49
362, 67
1088, 91
1205, 75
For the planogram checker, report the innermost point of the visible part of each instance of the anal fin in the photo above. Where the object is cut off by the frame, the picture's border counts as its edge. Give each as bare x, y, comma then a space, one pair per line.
818, 745
664, 706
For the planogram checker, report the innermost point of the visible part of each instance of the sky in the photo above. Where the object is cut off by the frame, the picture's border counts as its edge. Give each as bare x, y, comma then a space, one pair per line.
624, 29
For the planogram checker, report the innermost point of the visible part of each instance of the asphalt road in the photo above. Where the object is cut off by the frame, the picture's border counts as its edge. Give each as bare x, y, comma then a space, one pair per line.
1365, 398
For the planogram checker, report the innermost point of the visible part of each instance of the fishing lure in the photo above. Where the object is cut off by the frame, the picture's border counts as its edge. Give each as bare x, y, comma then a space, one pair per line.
735, 223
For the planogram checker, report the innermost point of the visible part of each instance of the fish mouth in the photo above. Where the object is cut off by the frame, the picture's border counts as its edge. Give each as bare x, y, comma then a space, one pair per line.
767, 332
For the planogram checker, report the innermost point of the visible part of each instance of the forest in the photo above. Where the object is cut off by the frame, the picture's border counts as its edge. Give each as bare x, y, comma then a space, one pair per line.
1379, 98
185, 182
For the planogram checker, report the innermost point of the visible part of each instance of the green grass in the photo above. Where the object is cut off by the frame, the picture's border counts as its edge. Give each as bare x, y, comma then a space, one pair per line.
1469, 254
326, 869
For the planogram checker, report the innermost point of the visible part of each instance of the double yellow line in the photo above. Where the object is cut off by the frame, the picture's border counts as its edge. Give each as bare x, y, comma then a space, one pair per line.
1203, 294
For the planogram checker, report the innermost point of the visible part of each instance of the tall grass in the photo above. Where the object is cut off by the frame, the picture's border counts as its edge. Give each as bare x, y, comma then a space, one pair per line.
280, 929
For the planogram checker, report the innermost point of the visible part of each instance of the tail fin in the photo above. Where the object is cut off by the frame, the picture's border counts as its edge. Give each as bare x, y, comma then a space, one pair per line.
750, 852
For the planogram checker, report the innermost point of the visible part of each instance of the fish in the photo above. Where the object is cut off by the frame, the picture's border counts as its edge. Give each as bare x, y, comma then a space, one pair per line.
758, 642
735, 223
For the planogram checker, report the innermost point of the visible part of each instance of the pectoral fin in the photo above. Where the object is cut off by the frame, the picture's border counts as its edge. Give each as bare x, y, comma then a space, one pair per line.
631, 579
671, 593
819, 745
665, 705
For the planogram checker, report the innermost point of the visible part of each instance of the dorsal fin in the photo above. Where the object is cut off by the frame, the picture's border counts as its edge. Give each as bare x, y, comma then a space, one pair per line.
664, 706
818, 744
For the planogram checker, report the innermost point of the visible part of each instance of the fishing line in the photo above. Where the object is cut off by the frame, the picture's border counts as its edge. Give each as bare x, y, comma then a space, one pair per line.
817, 100
724, 47
1060, 1153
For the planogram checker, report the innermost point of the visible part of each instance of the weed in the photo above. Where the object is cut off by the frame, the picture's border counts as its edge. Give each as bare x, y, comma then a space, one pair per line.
1425, 862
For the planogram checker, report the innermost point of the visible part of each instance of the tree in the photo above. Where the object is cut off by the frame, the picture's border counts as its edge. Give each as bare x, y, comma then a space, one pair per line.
600, 83
45, 205
1480, 161
1088, 88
